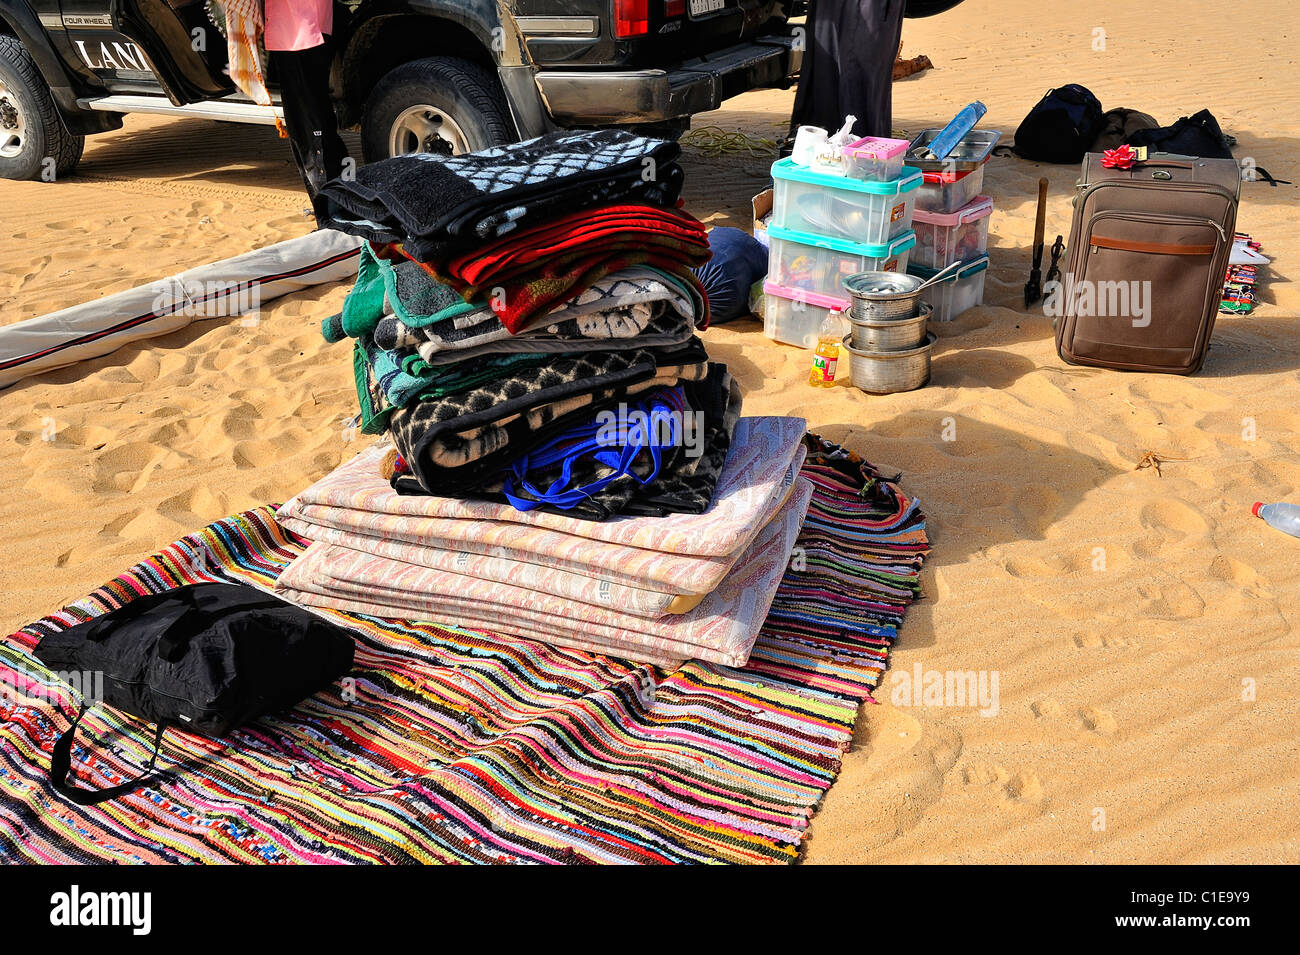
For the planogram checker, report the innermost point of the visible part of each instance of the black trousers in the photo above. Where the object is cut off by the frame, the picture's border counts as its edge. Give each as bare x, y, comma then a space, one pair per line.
304, 77
848, 65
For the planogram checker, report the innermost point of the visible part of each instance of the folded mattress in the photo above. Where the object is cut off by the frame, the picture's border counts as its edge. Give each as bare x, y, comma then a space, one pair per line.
721, 629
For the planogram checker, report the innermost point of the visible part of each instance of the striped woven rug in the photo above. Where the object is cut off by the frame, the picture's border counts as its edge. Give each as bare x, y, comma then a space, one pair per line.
447, 745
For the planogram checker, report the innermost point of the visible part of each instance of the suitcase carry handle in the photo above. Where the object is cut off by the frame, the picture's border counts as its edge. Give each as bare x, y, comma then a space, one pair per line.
1169, 159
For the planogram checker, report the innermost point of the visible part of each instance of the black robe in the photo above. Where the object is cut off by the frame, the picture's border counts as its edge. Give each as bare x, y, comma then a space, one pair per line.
848, 65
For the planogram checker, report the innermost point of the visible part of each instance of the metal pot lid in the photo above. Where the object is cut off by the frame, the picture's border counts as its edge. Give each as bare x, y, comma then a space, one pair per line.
881, 285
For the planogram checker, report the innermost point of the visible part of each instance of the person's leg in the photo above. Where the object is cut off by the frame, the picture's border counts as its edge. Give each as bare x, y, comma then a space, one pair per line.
309, 114
867, 91
848, 65
805, 98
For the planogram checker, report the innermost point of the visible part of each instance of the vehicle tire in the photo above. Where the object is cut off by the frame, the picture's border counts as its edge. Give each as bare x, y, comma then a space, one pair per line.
439, 104
916, 9
31, 129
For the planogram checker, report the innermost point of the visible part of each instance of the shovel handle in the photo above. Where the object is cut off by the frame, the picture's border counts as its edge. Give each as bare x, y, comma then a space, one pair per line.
1040, 223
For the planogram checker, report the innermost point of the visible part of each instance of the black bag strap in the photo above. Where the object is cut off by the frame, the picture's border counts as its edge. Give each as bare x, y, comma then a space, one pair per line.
1262, 173
61, 764
175, 639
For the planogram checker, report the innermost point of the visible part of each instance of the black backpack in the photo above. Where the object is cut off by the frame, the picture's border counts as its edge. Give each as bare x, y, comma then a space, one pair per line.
206, 658
1061, 128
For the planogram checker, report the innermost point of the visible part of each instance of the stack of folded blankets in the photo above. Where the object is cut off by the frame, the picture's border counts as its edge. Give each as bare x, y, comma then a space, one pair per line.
652, 589
565, 463
506, 298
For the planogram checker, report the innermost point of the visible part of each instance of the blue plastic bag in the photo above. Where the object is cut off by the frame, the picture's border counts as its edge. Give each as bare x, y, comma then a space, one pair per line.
739, 260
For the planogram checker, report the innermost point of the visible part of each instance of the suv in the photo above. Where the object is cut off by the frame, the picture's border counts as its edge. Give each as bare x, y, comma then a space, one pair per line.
415, 75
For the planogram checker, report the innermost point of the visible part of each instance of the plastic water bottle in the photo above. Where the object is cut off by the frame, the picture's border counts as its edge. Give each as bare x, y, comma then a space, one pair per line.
1285, 517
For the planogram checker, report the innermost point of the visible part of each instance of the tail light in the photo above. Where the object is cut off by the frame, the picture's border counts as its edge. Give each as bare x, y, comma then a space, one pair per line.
631, 18
674, 8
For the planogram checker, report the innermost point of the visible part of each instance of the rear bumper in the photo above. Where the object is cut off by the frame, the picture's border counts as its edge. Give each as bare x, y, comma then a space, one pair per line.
581, 98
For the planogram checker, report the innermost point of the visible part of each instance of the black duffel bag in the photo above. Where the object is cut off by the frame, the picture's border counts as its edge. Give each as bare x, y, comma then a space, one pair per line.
206, 658
1196, 135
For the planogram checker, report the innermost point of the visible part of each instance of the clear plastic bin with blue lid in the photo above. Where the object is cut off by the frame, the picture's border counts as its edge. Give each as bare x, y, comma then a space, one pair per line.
840, 207
817, 263
953, 294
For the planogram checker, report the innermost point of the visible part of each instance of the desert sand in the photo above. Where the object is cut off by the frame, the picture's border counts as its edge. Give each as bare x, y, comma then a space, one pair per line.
1139, 625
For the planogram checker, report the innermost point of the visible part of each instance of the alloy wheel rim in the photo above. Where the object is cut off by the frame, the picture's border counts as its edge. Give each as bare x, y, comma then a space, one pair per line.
426, 129
13, 128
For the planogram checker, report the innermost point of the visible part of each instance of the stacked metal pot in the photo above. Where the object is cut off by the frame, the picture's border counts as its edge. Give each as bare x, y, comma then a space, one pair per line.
888, 341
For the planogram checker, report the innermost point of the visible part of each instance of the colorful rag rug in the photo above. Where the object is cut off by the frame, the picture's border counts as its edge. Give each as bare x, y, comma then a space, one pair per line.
452, 746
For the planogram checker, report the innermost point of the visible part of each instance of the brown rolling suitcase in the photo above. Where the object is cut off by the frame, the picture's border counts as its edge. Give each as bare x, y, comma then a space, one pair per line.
1148, 250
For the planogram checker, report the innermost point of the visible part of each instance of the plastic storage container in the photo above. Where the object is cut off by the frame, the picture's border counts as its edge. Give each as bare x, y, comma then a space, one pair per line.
945, 238
793, 316
874, 159
971, 150
839, 207
948, 191
814, 263
951, 296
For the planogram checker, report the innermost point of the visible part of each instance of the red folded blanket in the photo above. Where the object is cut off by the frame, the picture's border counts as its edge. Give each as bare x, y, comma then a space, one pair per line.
536, 269
598, 227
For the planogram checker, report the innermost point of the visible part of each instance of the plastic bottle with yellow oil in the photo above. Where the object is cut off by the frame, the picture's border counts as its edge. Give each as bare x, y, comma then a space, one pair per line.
826, 356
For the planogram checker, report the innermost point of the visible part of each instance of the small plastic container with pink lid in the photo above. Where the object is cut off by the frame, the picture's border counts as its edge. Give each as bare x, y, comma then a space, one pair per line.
875, 159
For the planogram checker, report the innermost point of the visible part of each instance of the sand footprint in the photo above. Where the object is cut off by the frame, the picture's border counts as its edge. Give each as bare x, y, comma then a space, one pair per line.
1170, 600
126, 467
1046, 709
1105, 641
1020, 787
1038, 506
1025, 787
1097, 720
255, 454
1168, 522
1027, 567
196, 506
984, 774
1233, 571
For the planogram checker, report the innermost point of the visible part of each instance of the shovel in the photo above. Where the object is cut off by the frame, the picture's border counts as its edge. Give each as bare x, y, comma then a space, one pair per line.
1034, 287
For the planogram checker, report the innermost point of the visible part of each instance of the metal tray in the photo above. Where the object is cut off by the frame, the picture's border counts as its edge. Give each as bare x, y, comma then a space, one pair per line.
973, 149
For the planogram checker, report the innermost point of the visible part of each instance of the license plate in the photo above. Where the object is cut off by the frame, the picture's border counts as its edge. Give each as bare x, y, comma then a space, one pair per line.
700, 7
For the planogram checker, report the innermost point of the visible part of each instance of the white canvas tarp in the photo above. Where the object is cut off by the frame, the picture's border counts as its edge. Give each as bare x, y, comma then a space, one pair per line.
227, 290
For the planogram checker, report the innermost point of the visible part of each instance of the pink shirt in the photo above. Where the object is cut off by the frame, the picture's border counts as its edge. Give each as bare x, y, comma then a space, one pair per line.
297, 24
